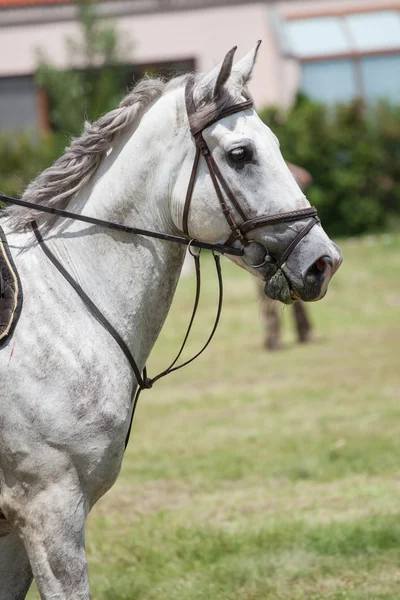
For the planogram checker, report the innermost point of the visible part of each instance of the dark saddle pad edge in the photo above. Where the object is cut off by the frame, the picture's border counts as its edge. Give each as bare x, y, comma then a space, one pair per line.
13, 280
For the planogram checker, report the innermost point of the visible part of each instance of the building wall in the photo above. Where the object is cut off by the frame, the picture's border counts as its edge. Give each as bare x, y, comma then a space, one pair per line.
345, 49
204, 35
289, 8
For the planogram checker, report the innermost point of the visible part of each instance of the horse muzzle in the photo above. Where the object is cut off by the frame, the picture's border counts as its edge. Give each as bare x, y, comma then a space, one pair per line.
311, 266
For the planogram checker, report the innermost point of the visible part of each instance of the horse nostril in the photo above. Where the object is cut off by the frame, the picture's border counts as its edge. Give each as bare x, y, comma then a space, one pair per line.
322, 262
319, 268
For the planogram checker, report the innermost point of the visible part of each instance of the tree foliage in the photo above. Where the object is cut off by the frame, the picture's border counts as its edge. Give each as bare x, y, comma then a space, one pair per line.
92, 85
94, 81
22, 158
353, 154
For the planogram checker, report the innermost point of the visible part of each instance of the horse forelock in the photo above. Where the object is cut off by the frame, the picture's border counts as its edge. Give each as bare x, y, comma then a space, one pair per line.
55, 186
211, 107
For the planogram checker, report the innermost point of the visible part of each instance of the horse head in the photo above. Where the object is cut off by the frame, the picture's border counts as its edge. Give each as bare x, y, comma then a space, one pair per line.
241, 191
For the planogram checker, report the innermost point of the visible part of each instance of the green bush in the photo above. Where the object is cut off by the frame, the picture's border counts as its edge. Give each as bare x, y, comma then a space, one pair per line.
73, 95
96, 77
23, 156
353, 154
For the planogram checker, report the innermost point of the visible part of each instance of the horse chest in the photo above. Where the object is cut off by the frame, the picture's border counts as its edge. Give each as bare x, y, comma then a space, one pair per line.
75, 396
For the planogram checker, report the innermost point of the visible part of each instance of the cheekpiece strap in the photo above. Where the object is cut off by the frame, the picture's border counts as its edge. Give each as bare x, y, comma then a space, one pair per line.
196, 129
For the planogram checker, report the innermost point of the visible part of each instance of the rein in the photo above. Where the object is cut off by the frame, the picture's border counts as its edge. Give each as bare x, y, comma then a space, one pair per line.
125, 228
238, 232
143, 381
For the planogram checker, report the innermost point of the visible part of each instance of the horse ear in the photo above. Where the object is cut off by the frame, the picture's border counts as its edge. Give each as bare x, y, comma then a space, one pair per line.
246, 64
213, 82
224, 72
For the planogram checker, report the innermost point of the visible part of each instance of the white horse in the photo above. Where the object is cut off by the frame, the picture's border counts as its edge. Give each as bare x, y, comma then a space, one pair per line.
66, 387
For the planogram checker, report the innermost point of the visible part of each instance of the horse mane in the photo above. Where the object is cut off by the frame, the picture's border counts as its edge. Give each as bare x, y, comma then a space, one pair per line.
57, 184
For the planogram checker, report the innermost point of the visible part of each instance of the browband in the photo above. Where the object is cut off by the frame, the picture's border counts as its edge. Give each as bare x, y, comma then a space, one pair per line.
191, 110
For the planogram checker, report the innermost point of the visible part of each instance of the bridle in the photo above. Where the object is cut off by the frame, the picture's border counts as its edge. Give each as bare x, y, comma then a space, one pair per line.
238, 233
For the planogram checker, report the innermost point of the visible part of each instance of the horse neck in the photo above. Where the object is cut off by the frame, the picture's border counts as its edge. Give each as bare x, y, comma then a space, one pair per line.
132, 279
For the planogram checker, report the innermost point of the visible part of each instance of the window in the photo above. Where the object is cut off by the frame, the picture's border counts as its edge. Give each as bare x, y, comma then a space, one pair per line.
344, 57
381, 77
18, 104
312, 37
375, 31
329, 81
20, 108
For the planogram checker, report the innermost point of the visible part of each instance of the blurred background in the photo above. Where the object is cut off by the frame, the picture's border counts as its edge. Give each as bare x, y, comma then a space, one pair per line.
249, 475
327, 80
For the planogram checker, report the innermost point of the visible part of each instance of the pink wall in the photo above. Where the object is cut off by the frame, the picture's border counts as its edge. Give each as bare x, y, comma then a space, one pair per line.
19, 46
205, 35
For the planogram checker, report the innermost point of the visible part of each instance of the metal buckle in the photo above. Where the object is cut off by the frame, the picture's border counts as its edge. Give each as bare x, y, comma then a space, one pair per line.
267, 257
190, 249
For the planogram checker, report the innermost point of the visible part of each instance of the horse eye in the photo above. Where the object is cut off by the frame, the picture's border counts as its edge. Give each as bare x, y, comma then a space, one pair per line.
239, 155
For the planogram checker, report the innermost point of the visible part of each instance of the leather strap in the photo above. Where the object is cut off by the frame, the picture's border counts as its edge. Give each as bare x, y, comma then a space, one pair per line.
189, 193
172, 366
238, 231
287, 217
143, 382
189, 100
224, 207
212, 165
216, 176
296, 240
226, 112
191, 110
65, 214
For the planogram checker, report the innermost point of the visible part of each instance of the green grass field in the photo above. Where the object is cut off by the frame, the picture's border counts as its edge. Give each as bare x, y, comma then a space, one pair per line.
252, 475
